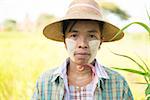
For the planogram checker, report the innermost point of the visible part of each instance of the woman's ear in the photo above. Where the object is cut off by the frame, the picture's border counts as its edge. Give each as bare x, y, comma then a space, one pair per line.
99, 46
101, 41
65, 44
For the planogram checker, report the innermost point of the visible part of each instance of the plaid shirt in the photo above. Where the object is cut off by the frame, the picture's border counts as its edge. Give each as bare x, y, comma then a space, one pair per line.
83, 93
52, 85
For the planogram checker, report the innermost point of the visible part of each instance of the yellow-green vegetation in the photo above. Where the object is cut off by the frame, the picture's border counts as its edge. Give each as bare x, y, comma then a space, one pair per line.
144, 67
24, 56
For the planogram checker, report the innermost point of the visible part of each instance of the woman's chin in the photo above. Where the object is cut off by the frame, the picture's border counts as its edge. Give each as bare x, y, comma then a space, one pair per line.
81, 61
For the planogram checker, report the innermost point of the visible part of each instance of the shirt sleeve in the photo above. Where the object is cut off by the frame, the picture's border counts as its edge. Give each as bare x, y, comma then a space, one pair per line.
36, 94
127, 95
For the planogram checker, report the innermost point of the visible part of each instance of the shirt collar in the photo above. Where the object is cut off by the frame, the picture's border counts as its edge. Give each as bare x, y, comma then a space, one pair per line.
62, 69
100, 71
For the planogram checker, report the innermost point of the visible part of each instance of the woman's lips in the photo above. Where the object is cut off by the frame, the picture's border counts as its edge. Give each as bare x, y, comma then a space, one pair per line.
82, 55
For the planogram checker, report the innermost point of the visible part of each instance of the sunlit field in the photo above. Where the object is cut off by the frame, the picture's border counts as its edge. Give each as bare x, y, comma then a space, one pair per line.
25, 56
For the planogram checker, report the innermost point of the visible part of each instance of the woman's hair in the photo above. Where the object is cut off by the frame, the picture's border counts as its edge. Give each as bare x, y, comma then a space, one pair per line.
74, 21
66, 23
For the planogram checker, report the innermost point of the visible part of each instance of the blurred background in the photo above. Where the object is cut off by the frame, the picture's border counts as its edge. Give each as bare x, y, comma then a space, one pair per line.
25, 53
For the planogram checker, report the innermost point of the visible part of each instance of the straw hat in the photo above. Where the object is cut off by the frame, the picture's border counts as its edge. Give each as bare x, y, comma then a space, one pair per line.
82, 9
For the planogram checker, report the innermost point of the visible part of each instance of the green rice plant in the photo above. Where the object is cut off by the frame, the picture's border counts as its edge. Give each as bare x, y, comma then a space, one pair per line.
144, 67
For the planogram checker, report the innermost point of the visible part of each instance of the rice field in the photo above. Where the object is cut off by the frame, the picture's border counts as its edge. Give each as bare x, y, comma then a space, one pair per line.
24, 56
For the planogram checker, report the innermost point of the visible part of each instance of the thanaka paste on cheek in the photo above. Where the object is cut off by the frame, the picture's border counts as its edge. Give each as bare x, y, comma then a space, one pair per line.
93, 46
70, 48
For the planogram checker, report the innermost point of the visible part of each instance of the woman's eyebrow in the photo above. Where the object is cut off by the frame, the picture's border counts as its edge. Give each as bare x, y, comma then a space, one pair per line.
92, 31
74, 30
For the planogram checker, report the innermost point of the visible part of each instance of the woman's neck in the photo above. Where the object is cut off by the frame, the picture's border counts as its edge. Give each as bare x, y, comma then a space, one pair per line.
79, 75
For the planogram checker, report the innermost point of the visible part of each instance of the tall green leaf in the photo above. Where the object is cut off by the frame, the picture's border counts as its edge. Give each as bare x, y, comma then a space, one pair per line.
147, 92
148, 14
131, 70
144, 63
132, 60
139, 23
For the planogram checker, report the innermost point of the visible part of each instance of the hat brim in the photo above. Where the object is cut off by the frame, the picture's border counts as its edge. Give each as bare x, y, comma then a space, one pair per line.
54, 32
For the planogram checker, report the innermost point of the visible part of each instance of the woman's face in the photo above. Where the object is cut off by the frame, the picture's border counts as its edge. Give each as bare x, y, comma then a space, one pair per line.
82, 41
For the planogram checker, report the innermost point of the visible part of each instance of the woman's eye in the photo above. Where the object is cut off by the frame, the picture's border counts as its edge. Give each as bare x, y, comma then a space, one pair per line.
92, 36
73, 35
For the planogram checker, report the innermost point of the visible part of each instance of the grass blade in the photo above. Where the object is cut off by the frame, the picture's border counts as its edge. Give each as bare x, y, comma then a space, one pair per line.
140, 83
148, 14
147, 92
146, 79
139, 23
132, 60
131, 70
144, 63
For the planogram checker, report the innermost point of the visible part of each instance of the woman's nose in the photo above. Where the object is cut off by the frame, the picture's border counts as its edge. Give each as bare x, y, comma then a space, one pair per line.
83, 43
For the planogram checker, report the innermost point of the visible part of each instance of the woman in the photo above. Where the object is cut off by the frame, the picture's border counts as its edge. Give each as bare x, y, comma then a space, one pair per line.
81, 77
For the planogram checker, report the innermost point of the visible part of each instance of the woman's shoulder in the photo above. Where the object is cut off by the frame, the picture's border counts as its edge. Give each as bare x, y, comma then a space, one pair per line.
113, 74
47, 75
